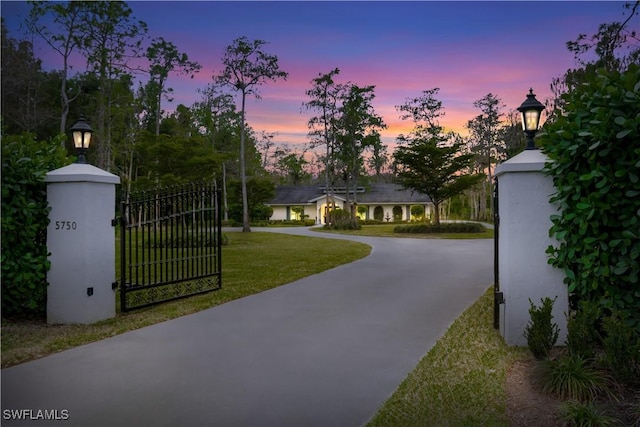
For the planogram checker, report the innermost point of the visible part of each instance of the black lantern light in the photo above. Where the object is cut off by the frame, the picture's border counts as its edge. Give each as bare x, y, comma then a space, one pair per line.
531, 109
81, 138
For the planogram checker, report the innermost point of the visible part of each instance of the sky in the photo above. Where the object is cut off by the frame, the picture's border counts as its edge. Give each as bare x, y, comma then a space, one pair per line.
467, 49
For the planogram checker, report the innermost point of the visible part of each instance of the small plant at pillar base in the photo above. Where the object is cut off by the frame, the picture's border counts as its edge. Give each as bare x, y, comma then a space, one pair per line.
541, 333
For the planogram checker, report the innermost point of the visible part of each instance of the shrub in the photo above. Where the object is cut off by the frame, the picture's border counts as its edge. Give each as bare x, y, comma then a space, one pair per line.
583, 326
25, 216
622, 349
452, 227
540, 332
571, 377
584, 415
595, 163
342, 220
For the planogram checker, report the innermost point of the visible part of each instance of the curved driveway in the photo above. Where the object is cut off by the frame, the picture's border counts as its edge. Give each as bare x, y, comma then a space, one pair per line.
326, 350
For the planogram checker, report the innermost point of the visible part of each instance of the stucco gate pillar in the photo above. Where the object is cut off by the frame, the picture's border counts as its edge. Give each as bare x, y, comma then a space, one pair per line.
523, 237
81, 243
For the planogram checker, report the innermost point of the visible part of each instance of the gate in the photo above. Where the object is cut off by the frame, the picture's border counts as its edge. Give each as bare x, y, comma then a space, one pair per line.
171, 244
498, 297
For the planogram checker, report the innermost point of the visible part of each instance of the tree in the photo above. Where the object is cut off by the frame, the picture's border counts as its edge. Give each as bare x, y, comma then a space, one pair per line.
111, 37
247, 66
216, 118
356, 131
27, 104
291, 165
324, 99
428, 160
164, 58
615, 46
485, 145
64, 37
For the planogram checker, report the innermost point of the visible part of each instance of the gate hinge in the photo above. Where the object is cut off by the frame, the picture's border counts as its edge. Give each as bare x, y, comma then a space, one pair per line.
115, 222
499, 297
114, 285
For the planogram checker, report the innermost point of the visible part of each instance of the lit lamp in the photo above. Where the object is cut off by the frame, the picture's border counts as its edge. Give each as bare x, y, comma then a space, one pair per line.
81, 138
531, 110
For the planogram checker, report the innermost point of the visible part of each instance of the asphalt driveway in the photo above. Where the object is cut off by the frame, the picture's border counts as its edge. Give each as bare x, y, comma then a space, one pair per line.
326, 350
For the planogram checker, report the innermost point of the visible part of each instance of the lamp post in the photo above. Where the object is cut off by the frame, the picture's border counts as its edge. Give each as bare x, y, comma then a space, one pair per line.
81, 138
531, 110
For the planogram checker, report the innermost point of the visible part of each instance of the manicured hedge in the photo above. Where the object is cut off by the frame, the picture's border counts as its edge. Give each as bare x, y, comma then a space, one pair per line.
453, 227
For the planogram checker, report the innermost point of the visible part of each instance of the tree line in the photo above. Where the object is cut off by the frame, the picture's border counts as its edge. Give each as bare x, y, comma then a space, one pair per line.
127, 77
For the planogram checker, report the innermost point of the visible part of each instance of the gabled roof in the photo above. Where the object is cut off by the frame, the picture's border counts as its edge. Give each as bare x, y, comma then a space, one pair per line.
290, 195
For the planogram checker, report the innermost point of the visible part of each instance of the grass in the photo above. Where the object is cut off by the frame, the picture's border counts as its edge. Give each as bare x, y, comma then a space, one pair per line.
251, 263
386, 230
461, 381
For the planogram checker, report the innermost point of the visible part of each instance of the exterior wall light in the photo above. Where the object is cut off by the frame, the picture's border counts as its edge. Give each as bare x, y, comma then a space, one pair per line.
81, 138
531, 109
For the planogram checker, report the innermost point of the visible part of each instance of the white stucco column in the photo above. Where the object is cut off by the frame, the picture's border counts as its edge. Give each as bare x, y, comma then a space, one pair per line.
523, 237
81, 243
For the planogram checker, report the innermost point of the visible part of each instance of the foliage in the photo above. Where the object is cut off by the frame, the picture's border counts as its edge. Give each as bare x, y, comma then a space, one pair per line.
540, 332
622, 348
594, 165
342, 220
452, 227
583, 329
484, 143
25, 216
165, 58
259, 191
428, 160
417, 212
356, 130
247, 66
571, 377
579, 414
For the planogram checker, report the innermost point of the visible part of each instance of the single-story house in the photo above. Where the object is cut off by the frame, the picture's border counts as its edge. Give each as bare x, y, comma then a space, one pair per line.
387, 202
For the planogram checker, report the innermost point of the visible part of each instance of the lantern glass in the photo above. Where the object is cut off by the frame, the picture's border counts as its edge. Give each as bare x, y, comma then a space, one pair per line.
530, 120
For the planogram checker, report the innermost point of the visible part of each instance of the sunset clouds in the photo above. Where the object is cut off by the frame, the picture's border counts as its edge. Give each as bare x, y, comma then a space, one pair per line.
467, 49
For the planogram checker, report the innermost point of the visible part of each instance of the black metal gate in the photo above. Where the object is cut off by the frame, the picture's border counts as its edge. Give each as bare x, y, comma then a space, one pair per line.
498, 297
171, 244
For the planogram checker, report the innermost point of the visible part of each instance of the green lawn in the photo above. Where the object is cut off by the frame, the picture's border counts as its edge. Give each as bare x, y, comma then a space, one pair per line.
461, 381
386, 230
251, 263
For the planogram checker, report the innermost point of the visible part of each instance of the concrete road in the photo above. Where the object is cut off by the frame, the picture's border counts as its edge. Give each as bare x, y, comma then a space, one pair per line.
326, 350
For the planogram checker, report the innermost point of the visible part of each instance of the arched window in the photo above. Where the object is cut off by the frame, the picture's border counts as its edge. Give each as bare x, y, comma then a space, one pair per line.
397, 213
378, 213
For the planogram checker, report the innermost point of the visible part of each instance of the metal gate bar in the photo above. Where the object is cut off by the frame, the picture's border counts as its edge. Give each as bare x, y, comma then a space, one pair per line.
171, 244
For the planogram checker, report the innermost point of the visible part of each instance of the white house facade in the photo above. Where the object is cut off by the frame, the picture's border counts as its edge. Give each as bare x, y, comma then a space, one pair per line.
386, 202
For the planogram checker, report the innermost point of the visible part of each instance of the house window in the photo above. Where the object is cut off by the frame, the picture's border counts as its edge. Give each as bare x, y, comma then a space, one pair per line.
378, 213
297, 213
397, 213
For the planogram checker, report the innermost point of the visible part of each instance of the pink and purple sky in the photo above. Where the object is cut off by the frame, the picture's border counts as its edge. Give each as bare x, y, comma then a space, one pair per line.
467, 49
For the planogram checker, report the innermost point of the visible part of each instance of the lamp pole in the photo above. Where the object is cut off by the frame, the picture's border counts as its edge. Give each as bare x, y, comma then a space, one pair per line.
530, 111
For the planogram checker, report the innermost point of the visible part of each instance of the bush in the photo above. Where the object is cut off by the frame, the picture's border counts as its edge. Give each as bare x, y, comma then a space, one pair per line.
571, 377
575, 413
540, 332
595, 163
622, 349
342, 220
25, 216
583, 329
451, 227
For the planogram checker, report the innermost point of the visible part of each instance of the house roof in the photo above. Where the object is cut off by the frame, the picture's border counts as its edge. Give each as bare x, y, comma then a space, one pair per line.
375, 193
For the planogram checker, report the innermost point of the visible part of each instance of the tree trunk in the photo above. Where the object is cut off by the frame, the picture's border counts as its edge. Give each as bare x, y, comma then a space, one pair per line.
436, 213
243, 172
